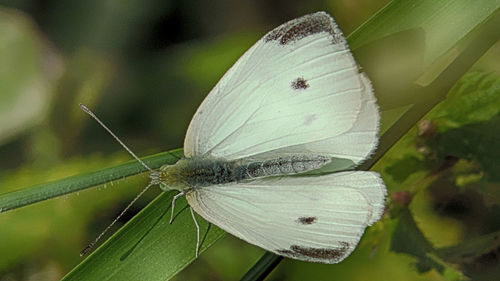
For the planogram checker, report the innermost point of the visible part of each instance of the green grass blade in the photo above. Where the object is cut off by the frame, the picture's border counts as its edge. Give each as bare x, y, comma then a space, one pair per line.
148, 247
30, 195
444, 22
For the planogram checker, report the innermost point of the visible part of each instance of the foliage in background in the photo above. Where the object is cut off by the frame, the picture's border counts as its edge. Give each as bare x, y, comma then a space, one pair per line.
454, 148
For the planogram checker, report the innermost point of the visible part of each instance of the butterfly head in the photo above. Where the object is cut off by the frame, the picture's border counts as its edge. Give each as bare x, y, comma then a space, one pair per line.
168, 177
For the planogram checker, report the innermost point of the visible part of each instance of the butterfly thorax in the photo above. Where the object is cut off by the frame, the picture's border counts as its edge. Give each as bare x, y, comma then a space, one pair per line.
189, 173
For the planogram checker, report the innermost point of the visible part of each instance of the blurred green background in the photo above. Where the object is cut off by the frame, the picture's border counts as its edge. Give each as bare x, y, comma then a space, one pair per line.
145, 66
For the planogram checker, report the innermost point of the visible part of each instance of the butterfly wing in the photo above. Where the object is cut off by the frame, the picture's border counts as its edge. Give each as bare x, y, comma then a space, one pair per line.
318, 219
298, 90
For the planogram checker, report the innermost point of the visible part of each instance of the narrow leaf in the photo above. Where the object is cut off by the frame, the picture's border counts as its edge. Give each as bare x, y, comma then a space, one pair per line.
30, 195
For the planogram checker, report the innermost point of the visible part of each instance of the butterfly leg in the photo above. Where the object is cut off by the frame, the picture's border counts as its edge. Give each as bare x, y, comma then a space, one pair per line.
173, 205
197, 232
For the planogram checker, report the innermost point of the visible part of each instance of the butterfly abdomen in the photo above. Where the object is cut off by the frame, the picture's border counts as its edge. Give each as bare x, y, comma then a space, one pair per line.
281, 166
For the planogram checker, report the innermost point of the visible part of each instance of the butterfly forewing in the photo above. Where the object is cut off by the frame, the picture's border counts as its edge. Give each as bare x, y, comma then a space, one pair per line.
296, 87
356, 144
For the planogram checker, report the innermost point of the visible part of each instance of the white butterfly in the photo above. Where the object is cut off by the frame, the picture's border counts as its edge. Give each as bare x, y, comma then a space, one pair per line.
295, 102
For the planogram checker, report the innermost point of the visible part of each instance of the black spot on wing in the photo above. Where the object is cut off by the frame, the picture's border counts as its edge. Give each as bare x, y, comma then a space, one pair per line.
299, 84
309, 253
306, 220
302, 27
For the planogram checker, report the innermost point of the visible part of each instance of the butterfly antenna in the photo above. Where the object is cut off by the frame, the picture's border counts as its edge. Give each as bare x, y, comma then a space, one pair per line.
89, 112
91, 245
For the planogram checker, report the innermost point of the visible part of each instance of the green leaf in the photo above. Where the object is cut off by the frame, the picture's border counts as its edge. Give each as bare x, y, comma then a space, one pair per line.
475, 98
401, 169
73, 219
444, 23
474, 142
148, 247
472, 249
468, 123
409, 239
477, 257
467, 127
30, 195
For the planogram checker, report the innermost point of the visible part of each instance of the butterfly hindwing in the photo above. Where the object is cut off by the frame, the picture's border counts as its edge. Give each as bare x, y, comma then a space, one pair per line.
297, 90
319, 219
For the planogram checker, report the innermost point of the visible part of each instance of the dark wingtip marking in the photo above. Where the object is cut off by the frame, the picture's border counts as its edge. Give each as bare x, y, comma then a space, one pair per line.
306, 220
332, 254
299, 84
302, 27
